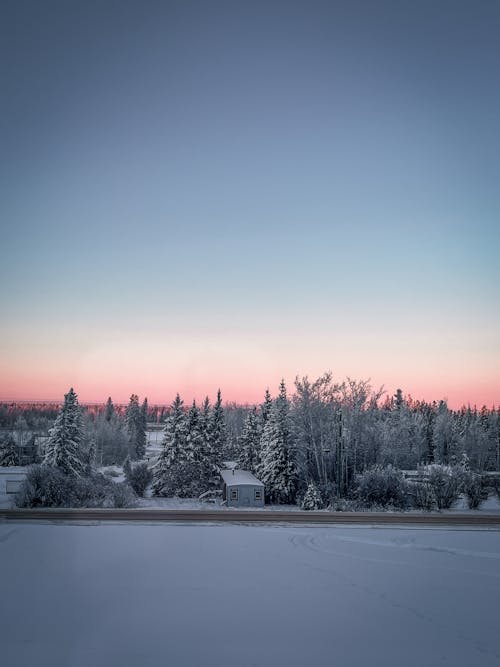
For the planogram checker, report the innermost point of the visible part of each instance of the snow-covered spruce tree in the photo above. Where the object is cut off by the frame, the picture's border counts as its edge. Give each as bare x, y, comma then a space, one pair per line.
136, 427
218, 436
312, 499
249, 443
176, 473
194, 438
265, 408
8, 452
64, 447
277, 468
144, 421
109, 410
207, 460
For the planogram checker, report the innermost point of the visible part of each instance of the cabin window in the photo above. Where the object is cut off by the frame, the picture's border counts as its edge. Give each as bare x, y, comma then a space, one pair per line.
13, 486
258, 494
234, 494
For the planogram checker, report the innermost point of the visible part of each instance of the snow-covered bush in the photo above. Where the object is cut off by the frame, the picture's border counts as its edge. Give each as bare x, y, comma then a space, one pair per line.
422, 495
382, 486
446, 482
89, 491
138, 476
312, 498
122, 495
473, 489
44, 486
47, 486
345, 505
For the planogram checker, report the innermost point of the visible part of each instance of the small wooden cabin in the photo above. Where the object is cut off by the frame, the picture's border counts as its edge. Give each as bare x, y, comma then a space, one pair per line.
242, 489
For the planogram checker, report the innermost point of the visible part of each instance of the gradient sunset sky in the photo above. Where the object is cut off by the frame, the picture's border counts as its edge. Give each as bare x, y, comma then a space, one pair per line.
205, 194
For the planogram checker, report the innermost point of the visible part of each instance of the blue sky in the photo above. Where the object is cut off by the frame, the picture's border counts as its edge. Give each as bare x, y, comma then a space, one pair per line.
320, 171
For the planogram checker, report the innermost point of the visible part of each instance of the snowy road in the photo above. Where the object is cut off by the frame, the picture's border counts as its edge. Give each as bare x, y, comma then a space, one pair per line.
203, 595
261, 515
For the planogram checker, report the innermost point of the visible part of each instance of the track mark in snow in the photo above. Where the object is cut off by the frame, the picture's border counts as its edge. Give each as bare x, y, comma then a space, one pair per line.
311, 543
5, 537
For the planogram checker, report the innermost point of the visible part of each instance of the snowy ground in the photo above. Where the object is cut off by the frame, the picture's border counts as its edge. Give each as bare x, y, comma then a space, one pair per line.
489, 506
221, 595
195, 504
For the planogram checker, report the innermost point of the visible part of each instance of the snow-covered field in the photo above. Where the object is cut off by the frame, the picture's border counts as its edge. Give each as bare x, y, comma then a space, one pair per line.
221, 595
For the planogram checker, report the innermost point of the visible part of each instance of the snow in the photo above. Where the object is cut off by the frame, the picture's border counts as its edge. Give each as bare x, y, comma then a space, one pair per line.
236, 477
491, 505
195, 504
220, 595
114, 473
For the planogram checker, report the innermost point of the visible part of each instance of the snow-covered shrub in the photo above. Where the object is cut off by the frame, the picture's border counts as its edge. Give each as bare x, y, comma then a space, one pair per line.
422, 495
139, 477
473, 489
382, 486
345, 505
122, 495
446, 482
312, 498
47, 486
44, 486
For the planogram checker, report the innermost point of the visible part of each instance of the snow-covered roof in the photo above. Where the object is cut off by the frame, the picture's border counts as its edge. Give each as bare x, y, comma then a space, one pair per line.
229, 464
13, 470
239, 478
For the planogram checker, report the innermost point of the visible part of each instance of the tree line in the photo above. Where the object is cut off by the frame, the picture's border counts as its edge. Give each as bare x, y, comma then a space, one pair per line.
326, 433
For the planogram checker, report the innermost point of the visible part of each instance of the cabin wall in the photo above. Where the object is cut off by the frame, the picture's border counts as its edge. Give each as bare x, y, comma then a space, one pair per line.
246, 496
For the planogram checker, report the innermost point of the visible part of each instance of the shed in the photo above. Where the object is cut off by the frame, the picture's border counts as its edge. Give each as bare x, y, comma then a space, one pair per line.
242, 489
11, 478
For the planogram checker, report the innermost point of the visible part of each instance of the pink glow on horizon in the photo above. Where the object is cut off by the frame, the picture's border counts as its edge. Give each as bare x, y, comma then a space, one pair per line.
22, 389
243, 366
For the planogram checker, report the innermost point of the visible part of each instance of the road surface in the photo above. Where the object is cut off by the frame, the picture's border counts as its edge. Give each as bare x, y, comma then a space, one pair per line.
250, 516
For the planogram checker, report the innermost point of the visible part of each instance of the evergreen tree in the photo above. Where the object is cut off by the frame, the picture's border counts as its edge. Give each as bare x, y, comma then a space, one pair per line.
205, 426
249, 443
64, 447
8, 452
312, 499
277, 469
136, 427
173, 449
218, 436
265, 408
194, 437
144, 413
109, 410
398, 399
143, 441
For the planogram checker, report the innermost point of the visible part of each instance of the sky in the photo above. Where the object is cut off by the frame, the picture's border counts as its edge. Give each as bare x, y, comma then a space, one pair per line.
197, 195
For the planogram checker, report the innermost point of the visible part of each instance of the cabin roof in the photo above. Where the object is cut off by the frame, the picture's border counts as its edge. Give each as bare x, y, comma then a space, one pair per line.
239, 478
